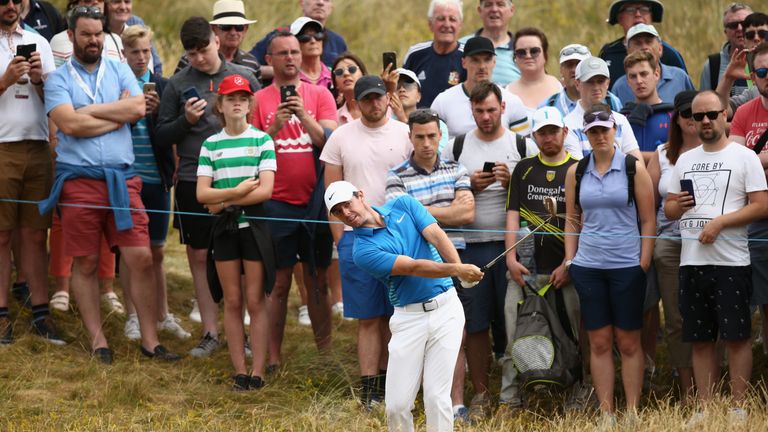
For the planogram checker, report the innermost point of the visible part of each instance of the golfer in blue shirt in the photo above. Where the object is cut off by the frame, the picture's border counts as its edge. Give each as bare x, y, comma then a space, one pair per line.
401, 244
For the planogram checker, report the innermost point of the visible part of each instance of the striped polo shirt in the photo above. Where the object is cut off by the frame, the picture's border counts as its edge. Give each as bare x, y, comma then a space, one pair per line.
144, 162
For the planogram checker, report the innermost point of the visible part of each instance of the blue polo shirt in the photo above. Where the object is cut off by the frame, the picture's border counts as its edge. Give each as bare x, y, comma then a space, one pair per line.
113, 148
609, 234
673, 80
376, 249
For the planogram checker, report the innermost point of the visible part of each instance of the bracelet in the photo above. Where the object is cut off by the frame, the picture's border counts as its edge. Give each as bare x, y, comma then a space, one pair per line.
36, 84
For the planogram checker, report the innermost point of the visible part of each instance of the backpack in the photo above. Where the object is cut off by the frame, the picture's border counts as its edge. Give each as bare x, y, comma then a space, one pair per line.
458, 146
544, 349
714, 70
630, 168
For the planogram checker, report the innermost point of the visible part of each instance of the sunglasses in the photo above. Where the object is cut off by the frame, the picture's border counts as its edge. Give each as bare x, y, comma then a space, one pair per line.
227, 27
761, 73
574, 50
733, 25
81, 11
762, 34
686, 114
5, 2
595, 116
633, 10
306, 37
340, 71
524, 52
408, 85
712, 115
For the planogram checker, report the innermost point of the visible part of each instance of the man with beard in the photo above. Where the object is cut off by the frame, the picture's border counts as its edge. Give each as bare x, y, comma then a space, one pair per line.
492, 143
25, 167
362, 152
729, 188
93, 100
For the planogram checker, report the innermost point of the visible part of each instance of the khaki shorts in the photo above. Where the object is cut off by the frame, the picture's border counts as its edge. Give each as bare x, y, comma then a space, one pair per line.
26, 174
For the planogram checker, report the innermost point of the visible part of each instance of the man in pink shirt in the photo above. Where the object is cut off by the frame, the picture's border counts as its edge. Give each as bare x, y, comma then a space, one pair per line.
299, 126
362, 152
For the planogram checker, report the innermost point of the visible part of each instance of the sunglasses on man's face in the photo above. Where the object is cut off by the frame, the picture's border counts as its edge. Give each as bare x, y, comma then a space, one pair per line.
5, 2
227, 27
733, 25
306, 37
761, 73
712, 115
340, 71
525, 52
762, 34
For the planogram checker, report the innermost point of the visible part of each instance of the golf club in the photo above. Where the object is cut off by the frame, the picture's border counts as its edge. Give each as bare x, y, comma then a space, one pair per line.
550, 204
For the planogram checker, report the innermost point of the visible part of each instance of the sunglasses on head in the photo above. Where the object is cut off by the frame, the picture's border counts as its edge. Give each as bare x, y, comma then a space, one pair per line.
83, 11
574, 50
340, 71
306, 37
733, 25
599, 115
524, 52
712, 115
761, 73
227, 27
762, 34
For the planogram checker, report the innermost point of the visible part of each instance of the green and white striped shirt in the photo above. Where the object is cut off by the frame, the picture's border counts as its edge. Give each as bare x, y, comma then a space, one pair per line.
231, 159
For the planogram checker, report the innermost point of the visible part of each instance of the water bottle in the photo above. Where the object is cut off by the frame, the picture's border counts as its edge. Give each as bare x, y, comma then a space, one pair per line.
525, 252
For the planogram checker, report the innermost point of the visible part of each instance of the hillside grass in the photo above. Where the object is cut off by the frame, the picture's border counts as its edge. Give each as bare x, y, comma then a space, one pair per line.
693, 27
43, 387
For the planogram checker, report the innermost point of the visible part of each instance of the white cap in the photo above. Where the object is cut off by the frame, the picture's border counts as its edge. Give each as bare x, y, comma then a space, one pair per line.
546, 116
229, 12
574, 52
591, 66
300, 22
640, 29
409, 74
338, 192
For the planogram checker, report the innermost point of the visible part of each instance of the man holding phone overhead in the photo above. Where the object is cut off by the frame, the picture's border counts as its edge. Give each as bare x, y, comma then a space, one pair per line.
715, 269
25, 163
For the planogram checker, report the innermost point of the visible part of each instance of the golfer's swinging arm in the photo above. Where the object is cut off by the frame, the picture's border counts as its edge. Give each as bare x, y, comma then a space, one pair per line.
550, 204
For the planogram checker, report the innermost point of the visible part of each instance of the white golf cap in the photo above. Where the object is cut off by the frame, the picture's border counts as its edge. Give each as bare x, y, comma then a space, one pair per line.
229, 12
591, 66
574, 52
409, 74
640, 29
546, 116
338, 192
300, 22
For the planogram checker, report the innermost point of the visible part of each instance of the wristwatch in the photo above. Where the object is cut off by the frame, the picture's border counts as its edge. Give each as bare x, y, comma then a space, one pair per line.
568, 264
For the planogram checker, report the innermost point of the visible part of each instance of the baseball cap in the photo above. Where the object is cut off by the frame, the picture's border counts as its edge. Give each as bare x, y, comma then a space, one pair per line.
574, 52
640, 29
684, 99
298, 25
657, 9
409, 73
338, 192
478, 45
234, 83
368, 84
546, 116
591, 66
600, 118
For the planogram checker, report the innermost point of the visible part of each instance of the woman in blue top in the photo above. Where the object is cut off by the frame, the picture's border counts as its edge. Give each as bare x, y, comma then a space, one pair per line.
608, 260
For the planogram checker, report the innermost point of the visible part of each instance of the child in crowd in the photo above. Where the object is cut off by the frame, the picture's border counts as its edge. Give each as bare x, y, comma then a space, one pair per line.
235, 175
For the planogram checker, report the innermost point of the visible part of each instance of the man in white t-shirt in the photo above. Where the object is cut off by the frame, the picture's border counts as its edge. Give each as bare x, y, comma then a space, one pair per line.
489, 143
452, 105
362, 152
729, 192
592, 78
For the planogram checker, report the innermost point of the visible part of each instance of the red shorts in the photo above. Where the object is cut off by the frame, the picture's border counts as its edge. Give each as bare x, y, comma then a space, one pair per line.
82, 226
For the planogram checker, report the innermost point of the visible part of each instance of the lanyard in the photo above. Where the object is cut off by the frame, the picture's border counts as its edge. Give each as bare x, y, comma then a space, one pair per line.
79, 80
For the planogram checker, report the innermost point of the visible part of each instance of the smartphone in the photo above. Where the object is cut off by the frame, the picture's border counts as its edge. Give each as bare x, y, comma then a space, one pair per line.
389, 57
190, 93
150, 87
488, 166
687, 186
287, 91
26, 50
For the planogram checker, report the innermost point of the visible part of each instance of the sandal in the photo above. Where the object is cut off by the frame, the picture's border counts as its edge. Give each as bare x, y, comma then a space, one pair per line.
113, 301
60, 301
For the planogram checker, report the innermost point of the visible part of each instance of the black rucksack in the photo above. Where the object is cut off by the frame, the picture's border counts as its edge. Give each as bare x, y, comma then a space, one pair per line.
458, 146
630, 168
544, 349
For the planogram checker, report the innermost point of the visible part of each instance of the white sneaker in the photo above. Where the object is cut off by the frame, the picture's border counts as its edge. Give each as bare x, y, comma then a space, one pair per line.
246, 319
338, 309
113, 302
172, 324
194, 315
60, 301
304, 316
132, 330
696, 420
737, 416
